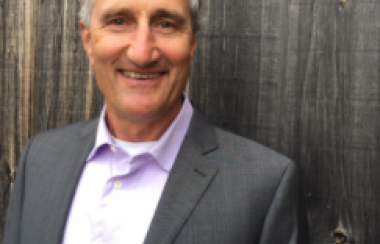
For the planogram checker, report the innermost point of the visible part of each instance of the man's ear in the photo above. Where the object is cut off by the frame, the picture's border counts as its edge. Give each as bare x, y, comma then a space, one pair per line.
86, 41
193, 46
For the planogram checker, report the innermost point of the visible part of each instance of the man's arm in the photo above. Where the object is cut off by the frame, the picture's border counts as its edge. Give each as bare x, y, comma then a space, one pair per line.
285, 222
12, 229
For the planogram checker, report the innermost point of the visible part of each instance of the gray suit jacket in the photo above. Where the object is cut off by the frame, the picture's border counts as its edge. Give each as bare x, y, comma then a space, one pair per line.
222, 189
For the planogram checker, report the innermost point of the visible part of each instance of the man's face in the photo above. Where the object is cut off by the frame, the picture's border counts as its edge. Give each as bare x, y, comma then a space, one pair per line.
141, 51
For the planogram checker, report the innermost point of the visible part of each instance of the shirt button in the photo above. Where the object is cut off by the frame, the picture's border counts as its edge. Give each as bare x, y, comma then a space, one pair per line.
113, 149
118, 184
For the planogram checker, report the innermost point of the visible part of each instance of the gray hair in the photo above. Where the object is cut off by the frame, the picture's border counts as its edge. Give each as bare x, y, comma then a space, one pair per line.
86, 10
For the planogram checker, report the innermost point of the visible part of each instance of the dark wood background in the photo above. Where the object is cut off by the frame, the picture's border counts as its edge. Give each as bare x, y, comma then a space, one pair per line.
300, 76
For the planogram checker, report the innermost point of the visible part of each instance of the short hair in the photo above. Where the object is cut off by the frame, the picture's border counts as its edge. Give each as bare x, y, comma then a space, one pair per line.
87, 5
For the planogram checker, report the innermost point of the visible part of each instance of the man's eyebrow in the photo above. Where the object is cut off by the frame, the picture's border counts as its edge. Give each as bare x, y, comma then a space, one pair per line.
110, 13
164, 13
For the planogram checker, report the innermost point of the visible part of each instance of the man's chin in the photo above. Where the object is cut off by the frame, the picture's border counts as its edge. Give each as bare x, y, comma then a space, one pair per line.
138, 113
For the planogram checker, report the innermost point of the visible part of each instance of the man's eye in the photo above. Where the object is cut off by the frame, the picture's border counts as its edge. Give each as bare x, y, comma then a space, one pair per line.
118, 21
165, 27
166, 24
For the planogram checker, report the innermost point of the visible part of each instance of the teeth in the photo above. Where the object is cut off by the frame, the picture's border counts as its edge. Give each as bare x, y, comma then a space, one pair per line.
134, 75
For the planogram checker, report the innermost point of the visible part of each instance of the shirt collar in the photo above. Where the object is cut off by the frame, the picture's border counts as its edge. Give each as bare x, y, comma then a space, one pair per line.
103, 137
167, 147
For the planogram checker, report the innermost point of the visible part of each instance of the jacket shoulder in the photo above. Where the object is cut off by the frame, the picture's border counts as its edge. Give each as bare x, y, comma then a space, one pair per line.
249, 153
70, 131
244, 145
57, 139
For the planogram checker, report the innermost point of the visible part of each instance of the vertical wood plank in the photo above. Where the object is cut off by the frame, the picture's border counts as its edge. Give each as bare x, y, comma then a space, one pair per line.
312, 93
45, 79
299, 76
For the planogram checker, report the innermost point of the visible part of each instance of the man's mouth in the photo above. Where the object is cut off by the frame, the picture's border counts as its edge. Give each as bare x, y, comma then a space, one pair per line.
134, 75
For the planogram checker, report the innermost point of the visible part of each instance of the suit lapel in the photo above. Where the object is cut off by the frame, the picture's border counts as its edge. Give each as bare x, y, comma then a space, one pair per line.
69, 176
188, 180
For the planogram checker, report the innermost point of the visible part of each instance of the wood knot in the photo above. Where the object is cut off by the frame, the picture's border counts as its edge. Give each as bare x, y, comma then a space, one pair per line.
340, 236
12, 176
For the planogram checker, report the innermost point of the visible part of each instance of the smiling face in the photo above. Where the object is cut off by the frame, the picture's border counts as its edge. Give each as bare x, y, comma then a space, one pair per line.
141, 51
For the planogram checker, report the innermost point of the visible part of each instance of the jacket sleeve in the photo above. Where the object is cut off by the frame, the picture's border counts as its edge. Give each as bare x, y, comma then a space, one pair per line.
12, 231
285, 222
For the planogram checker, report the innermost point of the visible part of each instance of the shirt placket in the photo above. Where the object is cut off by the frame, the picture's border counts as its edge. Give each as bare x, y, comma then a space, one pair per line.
114, 183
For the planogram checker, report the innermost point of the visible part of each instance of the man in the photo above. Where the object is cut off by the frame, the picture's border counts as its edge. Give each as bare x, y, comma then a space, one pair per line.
150, 170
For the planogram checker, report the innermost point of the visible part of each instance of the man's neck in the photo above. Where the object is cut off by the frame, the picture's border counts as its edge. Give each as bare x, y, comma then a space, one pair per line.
140, 130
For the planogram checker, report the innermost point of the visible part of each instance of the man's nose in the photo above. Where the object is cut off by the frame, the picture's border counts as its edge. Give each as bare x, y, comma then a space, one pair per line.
143, 50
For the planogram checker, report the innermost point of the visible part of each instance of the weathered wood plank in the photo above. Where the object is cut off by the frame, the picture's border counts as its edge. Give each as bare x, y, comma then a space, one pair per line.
10, 88
299, 76
45, 77
310, 89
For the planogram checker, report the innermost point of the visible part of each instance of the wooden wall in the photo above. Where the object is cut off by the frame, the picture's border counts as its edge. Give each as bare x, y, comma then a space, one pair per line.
45, 79
303, 77
300, 76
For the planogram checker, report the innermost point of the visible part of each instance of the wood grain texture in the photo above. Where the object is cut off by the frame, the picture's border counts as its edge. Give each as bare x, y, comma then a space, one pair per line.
300, 76
45, 77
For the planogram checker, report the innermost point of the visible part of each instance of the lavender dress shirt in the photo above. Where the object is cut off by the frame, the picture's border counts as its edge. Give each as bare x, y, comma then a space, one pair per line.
121, 184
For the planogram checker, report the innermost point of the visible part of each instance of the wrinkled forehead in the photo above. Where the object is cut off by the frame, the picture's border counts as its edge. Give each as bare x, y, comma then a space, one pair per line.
140, 5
